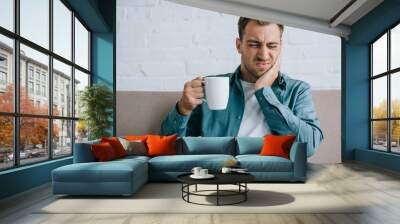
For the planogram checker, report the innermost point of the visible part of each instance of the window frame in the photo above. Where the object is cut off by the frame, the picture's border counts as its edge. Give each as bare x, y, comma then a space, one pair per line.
15, 72
388, 74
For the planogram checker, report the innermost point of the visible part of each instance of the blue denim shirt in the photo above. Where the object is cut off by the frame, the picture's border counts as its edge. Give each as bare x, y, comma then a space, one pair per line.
287, 106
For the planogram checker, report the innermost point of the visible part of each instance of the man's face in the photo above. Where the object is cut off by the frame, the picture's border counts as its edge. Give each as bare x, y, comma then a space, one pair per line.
260, 47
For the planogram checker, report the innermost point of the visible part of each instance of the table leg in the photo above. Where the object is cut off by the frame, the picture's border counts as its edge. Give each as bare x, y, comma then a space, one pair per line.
245, 191
217, 194
182, 190
188, 190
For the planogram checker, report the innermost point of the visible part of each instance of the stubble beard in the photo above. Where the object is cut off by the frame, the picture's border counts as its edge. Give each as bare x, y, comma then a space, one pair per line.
253, 73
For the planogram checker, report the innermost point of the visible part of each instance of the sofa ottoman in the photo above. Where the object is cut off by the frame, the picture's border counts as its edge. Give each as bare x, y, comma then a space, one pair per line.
118, 177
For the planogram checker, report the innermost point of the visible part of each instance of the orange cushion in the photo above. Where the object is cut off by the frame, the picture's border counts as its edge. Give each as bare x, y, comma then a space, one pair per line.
277, 145
161, 145
136, 137
103, 151
116, 145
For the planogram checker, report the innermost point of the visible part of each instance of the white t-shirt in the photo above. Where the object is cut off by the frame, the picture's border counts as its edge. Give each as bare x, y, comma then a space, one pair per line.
253, 121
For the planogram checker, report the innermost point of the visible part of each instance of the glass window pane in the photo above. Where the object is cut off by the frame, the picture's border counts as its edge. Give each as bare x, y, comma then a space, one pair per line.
6, 74
62, 89
6, 142
62, 29
35, 21
7, 14
34, 78
81, 81
395, 47
379, 97
379, 55
62, 138
395, 94
81, 45
379, 135
33, 140
81, 131
395, 135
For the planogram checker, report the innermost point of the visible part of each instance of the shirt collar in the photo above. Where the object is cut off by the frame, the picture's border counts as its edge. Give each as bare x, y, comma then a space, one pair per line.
281, 80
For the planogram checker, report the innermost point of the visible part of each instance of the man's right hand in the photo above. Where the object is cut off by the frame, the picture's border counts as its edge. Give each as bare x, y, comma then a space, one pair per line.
192, 96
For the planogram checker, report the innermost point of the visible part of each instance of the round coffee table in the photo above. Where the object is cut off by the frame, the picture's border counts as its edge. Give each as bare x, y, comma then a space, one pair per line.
238, 179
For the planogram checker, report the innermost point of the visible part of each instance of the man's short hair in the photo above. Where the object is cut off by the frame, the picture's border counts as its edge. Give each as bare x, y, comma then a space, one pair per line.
243, 22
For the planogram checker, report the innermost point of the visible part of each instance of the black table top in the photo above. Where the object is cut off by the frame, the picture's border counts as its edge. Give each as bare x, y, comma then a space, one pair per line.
220, 178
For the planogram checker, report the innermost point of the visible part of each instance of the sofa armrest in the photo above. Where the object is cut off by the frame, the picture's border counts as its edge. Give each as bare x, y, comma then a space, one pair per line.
83, 152
298, 155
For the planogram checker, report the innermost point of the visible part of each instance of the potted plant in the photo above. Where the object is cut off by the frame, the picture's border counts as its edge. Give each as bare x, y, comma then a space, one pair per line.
96, 102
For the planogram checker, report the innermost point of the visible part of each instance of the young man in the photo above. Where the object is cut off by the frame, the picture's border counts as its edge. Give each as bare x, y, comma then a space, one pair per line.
261, 101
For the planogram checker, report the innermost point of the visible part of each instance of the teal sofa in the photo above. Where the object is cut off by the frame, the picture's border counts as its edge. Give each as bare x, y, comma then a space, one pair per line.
125, 176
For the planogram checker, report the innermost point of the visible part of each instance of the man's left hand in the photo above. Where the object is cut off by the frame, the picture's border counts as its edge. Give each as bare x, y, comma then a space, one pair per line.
269, 77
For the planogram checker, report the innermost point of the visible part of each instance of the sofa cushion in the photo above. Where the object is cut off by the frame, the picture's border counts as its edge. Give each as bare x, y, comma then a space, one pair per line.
136, 137
257, 163
249, 145
116, 145
185, 163
207, 145
275, 145
161, 145
134, 147
103, 151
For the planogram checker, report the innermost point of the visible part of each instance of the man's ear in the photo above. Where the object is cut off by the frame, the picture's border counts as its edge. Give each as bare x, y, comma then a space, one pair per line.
238, 45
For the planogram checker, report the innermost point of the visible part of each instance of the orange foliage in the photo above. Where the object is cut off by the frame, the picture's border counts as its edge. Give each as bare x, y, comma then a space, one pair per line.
33, 130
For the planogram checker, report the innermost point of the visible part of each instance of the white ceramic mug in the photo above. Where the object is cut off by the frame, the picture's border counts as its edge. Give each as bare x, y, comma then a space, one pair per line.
216, 91
203, 172
196, 170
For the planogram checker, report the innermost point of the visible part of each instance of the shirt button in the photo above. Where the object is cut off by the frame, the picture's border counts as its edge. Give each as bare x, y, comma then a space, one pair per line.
238, 117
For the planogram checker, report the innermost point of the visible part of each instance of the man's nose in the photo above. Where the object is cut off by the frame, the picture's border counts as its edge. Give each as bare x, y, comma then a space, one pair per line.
263, 53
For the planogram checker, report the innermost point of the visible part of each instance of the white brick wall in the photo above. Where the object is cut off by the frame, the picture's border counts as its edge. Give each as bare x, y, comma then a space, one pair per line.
160, 45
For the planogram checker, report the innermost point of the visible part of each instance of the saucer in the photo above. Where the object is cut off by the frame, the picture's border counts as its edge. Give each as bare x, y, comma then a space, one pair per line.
208, 176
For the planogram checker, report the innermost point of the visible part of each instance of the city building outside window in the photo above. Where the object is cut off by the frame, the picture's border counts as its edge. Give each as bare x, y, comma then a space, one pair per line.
3, 61
30, 72
30, 87
3, 78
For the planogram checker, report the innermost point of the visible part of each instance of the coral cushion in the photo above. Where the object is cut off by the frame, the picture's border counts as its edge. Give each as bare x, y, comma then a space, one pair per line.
116, 145
136, 137
103, 151
161, 145
277, 145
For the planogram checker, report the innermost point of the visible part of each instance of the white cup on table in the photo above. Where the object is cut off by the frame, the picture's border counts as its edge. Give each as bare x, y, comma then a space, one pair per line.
203, 172
196, 170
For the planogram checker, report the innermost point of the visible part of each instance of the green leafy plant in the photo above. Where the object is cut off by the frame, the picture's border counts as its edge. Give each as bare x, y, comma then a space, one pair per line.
96, 102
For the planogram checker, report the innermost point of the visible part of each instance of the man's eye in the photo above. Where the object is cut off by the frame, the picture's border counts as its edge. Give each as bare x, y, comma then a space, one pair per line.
254, 45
